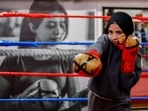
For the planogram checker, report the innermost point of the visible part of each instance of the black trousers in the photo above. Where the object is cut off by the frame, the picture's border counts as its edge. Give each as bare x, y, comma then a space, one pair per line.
96, 103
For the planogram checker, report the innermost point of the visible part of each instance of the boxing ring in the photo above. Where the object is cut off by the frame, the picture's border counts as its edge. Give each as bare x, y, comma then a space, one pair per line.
139, 101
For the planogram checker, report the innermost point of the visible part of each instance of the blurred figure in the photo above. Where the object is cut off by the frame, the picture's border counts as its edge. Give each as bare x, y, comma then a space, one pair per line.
145, 48
5, 28
110, 12
143, 33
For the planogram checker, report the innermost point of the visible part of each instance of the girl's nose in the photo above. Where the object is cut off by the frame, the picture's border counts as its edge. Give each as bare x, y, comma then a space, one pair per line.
114, 36
56, 31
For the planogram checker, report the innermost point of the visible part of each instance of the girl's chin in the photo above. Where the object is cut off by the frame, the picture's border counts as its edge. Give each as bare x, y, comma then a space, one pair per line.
115, 44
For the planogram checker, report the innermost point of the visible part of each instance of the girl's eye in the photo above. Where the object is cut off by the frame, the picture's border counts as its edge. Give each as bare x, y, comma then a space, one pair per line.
119, 32
51, 25
63, 25
110, 32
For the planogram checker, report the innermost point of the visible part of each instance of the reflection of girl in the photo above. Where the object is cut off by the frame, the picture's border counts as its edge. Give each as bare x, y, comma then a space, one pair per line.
47, 29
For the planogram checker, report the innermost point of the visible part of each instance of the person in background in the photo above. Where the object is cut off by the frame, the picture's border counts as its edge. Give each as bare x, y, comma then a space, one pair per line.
113, 63
143, 33
143, 38
40, 30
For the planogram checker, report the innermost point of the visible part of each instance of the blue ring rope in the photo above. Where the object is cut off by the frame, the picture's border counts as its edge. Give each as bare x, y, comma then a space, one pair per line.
144, 70
40, 99
36, 44
55, 99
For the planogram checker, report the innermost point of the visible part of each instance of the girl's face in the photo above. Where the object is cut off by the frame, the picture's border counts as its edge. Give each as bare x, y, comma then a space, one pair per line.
115, 33
51, 29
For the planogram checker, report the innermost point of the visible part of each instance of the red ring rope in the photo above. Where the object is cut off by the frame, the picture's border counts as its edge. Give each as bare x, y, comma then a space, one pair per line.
144, 74
39, 74
43, 15
144, 56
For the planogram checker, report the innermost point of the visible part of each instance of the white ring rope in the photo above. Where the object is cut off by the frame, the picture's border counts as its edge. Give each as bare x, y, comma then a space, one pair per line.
37, 52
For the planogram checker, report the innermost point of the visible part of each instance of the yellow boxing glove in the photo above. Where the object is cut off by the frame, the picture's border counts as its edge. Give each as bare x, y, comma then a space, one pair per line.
129, 47
87, 64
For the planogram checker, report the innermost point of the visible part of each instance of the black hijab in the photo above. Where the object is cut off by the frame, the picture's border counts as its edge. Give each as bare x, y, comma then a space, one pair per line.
123, 20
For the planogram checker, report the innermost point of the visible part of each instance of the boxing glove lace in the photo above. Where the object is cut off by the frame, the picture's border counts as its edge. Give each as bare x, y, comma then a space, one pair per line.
87, 64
